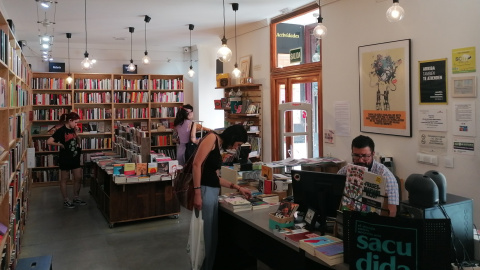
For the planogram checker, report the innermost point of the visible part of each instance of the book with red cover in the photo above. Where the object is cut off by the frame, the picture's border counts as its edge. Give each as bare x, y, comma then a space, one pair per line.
310, 244
295, 238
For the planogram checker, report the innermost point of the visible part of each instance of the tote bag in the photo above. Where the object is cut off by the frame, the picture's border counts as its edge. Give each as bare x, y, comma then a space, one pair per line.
196, 243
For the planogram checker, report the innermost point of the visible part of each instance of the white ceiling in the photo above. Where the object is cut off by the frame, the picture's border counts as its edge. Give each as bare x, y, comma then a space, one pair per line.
108, 21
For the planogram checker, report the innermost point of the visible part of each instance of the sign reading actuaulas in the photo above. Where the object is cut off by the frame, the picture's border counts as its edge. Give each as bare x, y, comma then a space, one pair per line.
375, 246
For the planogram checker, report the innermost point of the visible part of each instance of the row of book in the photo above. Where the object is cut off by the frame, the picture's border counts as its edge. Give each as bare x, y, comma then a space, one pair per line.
41, 145
129, 113
52, 99
167, 84
166, 97
50, 160
130, 97
4, 47
96, 143
18, 97
94, 127
93, 97
93, 84
3, 92
48, 175
49, 83
16, 125
169, 152
237, 203
49, 114
161, 140
94, 113
130, 84
164, 112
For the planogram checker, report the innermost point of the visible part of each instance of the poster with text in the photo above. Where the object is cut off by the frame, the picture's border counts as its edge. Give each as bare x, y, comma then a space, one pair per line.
433, 81
384, 70
463, 60
464, 119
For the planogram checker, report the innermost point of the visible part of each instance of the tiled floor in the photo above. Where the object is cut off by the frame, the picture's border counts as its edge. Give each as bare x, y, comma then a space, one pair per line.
80, 238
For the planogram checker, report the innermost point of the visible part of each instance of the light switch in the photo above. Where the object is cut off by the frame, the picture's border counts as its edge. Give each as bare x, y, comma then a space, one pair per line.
448, 162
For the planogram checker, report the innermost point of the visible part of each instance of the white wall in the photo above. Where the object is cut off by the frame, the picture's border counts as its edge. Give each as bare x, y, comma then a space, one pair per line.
435, 27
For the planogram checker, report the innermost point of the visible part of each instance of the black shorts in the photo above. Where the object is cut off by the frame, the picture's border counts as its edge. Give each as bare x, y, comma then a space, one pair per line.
67, 164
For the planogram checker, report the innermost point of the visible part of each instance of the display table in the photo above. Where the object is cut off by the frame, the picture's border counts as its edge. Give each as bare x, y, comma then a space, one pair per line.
135, 201
244, 238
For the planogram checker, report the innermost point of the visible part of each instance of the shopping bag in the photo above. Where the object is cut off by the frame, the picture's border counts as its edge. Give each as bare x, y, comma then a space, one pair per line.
196, 243
183, 186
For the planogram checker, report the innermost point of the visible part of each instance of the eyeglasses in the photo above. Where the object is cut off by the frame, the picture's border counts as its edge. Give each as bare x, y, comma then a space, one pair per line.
189, 111
364, 156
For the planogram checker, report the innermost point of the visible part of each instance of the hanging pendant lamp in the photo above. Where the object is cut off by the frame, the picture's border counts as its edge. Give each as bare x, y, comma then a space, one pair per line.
320, 31
224, 54
395, 13
236, 72
190, 72
69, 78
86, 63
146, 58
131, 66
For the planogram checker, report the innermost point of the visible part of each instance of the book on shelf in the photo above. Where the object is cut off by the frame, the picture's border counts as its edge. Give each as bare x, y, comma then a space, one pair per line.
118, 169
141, 169
310, 244
93, 127
162, 167
129, 169
330, 254
152, 168
295, 238
269, 198
258, 203
101, 127
236, 203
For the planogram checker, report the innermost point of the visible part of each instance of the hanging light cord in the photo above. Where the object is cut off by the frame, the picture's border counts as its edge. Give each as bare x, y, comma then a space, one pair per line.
145, 36
236, 54
69, 56
86, 36
190, 48
224, 18
131, 46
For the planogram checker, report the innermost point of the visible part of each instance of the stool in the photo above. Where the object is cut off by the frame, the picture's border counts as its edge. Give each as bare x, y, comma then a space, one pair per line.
35, 263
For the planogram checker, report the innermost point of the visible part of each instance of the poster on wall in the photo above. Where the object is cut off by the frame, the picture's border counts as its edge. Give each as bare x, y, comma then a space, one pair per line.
463, 60
432, 142
464, 119
433, 81
432, 119
464, 146
384, 70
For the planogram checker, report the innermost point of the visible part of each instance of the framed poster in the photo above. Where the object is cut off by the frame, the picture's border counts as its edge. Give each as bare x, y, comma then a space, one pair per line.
464, 86
385, 103
245, 66
433, 81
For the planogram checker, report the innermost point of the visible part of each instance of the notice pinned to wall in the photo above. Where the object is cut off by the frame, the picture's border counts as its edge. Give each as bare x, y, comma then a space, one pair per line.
432, 119
464, 146
464, 121
432, 142
342, 118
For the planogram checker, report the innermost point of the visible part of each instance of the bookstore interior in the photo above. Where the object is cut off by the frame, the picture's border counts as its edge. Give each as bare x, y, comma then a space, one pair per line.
300, 209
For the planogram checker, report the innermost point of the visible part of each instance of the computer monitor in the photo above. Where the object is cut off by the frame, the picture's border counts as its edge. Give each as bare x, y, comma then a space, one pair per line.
319, 191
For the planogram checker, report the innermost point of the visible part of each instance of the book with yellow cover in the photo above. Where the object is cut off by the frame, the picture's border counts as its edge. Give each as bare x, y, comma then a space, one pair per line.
129, 169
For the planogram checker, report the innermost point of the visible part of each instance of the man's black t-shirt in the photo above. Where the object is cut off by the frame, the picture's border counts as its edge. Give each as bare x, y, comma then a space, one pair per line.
69, 155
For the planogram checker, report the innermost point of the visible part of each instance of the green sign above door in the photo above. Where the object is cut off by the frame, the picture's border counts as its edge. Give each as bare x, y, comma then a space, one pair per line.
296, 55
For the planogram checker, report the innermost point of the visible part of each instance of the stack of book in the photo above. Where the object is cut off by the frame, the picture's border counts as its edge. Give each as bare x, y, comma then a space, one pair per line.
269, 198
310, 244
236, 204
330, 254
258, 203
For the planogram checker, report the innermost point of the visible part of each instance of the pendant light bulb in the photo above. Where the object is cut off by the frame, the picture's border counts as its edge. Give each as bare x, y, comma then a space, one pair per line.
86, 64
69, 78
131, 66
146, 58
190, 72
320, 31
224, 54
236, 72
395, 13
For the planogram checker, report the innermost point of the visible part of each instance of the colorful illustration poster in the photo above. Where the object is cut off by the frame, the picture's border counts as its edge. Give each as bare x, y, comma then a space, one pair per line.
463, 60
385, 88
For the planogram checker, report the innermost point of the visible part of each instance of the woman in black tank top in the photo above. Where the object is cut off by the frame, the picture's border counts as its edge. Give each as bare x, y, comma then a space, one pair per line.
207, 183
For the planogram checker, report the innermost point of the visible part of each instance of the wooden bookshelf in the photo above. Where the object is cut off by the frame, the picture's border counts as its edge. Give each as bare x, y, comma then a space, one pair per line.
105, 100
251, 95
15, 104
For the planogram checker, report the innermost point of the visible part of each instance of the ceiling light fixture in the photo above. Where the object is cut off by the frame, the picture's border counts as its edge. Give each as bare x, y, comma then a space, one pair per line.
224, 54
86, 63
69, 78
146, 59
45, 3
236, 72
131, 66
190, 71
320, 31
395, 12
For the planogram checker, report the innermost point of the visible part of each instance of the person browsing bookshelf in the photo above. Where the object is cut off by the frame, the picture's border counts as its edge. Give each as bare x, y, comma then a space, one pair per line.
363, 152
185, 131
207, 183
67, 140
